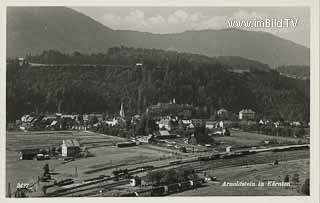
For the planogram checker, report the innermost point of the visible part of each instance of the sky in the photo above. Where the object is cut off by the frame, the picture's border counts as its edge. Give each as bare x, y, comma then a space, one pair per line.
163, 20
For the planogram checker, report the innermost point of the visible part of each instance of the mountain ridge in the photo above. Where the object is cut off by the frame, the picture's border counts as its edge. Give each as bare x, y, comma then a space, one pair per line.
35, 29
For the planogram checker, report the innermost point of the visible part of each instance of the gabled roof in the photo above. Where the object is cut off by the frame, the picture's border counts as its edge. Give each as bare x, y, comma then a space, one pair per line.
211, 122
164, 132
246, 111
222, 110
71, 143
54, 123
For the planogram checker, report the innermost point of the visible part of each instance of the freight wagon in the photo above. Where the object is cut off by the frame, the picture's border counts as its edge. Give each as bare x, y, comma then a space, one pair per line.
166, 189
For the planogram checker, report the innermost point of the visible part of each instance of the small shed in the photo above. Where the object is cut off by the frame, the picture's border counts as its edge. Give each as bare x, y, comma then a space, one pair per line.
70, 148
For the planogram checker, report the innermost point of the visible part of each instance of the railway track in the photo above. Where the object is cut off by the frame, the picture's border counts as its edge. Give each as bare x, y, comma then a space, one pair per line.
93, 190
96, 187
87, 188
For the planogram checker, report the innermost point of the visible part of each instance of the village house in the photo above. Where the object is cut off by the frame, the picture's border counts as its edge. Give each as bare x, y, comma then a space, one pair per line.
186, 122
111, 122
54, 125
70, 148
145, 139
70, 116
295, 124
118, 119
264, 122
85, 118
22, 61
222, 113
164, 134
135, 119
247, 114
211, 124
277, 124
165, 124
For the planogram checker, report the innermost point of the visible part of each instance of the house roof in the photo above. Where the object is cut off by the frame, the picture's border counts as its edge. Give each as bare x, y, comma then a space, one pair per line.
164, 132
246, 111
211, 122
222, 110
71, 143
54, 123
30, 118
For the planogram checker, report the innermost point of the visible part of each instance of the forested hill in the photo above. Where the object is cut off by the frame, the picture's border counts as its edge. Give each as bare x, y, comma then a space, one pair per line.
149, 57
35, 29
296, 71
190, 79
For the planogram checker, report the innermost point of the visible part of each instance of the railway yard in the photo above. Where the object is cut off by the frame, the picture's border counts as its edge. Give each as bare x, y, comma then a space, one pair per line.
100, 174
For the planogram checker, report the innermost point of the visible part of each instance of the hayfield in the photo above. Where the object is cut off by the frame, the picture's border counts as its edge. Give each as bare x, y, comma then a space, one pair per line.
104, 154
242, 139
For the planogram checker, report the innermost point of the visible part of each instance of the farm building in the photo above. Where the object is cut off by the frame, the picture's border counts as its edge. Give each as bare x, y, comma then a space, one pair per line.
247, 114
28, 153
70, 148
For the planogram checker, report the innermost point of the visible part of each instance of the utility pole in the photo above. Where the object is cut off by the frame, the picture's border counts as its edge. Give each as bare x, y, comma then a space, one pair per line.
75, 171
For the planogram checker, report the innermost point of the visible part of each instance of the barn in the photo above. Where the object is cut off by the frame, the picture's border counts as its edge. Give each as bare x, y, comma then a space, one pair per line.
70, 148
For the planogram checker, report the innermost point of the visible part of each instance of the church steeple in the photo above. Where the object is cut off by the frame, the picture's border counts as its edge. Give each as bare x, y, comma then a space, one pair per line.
122, 111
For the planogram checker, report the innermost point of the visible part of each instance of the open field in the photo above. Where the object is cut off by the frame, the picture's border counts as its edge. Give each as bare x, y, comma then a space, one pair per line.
254, 173
241, 139
27, 171
20, 140
107, 157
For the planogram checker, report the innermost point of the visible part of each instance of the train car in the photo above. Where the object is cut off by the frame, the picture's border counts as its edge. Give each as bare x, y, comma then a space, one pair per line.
196, 183
214, 156
159, 191
204, 158
143, 193
190, 160
172, 188
148, 167
246, 152
185, 185
130, 194
181, 161
175, 162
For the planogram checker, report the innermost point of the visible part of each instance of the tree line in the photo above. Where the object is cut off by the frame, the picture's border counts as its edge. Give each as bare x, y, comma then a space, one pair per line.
200, 81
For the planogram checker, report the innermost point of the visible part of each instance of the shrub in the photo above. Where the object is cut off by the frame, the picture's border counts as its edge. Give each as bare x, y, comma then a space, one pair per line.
286, 178
295, 178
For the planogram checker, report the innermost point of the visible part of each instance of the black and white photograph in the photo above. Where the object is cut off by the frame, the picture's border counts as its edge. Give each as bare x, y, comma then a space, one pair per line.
152, 101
